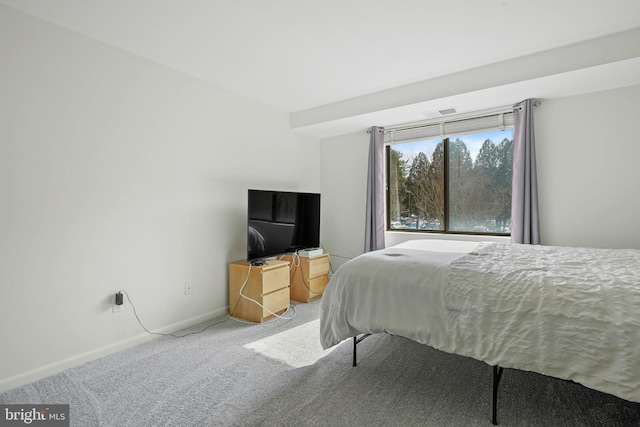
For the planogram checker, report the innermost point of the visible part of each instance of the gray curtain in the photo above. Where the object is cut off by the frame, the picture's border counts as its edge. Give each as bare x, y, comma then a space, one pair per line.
374, 231
524, 206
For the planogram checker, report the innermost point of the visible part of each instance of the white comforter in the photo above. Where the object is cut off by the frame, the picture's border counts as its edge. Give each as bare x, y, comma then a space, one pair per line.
571, 313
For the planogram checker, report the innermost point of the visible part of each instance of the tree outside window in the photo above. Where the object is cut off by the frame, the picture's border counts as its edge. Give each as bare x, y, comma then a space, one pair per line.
460, 184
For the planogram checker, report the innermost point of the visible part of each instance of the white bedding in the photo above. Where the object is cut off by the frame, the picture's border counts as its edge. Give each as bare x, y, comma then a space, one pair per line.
572, 313
398, 290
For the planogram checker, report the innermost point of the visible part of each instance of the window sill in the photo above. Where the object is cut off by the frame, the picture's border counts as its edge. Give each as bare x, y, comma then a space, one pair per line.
396, 237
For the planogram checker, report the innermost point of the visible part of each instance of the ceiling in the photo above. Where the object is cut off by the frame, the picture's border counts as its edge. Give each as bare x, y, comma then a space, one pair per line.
341, 65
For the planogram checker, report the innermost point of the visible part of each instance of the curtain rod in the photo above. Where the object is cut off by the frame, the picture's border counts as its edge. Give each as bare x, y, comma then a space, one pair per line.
453, 118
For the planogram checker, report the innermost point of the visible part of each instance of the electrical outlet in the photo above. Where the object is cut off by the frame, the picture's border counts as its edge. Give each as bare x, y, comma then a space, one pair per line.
187, 289
117, 308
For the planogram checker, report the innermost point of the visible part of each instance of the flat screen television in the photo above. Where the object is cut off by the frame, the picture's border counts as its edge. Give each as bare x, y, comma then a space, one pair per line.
280, 222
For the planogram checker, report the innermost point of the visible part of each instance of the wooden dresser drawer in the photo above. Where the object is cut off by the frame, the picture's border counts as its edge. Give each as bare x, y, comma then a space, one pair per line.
275, 302
309, 276
314, 267
317, 285
255, 292
274, 278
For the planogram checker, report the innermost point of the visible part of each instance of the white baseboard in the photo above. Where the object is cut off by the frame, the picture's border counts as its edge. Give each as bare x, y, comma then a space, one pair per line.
80, 359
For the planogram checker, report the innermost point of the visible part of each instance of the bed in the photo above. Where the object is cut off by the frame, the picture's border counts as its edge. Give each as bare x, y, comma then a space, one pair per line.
569, 313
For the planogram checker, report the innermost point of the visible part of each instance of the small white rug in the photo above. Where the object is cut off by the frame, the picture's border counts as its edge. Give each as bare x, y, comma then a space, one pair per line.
297, 347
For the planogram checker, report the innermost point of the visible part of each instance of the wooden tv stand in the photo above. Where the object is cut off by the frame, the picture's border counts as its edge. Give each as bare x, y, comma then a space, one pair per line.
309, 277
267, 285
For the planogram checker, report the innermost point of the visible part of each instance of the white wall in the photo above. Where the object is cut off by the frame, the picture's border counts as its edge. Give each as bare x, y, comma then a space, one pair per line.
118, 173
587, 152
344, 184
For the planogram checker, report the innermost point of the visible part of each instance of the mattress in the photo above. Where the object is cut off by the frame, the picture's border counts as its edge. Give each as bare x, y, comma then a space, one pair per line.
571, 313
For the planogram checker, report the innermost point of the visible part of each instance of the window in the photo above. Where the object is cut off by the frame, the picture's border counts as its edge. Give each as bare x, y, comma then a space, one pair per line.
459, 183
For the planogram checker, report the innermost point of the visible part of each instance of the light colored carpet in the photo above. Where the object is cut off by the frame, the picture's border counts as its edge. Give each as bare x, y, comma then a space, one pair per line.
276, 374
297, 347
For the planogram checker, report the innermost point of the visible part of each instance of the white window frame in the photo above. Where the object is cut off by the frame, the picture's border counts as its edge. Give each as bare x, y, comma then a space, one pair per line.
481, 121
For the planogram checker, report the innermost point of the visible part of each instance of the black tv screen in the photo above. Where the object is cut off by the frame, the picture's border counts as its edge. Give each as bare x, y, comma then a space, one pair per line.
280, 222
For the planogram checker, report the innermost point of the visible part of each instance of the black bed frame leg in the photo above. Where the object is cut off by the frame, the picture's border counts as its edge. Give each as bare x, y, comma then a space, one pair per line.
356, 340
497, 374
355, 345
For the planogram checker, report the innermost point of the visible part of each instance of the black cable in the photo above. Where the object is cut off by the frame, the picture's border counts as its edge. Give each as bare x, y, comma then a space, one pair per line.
296, 257
334, 255
168, 335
